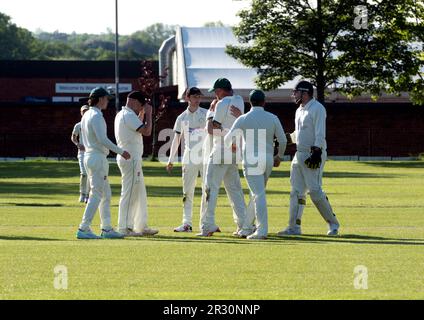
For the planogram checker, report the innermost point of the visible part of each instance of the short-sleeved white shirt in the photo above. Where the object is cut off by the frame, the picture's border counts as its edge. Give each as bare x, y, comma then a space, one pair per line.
126, 125
226, 119
77, 132
191, 126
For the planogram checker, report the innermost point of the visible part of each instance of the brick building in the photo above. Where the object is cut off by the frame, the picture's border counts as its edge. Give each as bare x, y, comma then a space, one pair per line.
39, 109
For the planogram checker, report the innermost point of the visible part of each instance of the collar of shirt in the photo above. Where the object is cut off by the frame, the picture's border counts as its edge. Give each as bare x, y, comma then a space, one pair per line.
306, 106
257, 108
128, 109
190, 112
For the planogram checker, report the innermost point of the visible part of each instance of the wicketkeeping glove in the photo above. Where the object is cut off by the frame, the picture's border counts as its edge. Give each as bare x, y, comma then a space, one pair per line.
314, 161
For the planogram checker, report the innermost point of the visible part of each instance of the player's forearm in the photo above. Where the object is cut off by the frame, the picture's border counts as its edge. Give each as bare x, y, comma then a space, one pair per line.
147, 129
110, 145
282, 143
74, 140
174, 148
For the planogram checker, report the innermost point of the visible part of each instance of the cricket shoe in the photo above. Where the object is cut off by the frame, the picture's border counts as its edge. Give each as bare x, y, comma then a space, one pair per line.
111, 234
148, 232
86, 234
184, 228
290, 231
129, 233
206, 233
244, 233
333, 230
255, 236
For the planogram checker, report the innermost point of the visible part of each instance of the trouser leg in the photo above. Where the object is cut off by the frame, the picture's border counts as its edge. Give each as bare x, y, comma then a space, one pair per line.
141, 213
84, 184
313, 180
190, 174
297, 194
256, 185
212, 183
235, 194
97, 176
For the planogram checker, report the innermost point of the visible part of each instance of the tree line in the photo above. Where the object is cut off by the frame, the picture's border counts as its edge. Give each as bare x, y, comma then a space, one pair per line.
20, 44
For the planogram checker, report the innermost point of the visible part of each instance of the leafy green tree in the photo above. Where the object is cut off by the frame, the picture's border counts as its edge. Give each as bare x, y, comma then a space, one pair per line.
15, 43
352, 46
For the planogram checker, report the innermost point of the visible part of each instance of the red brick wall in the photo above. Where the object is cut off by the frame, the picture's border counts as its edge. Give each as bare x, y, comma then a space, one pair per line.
352, 129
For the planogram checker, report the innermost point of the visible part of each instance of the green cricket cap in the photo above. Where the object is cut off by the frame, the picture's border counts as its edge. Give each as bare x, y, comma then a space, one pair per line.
99, 92
221, 83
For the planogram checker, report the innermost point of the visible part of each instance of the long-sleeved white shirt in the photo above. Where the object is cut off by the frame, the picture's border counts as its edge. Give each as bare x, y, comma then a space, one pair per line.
310, 126
93, 129
258, 128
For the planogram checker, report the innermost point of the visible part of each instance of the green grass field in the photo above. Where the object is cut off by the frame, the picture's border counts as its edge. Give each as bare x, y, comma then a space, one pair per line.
379, 204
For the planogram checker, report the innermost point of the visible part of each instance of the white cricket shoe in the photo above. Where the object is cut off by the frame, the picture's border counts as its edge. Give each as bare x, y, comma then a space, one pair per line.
184, 228
333, 229
255, 236
290, 231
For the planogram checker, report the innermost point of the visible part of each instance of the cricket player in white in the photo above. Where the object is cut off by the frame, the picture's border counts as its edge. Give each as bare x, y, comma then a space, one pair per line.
258, 129
308, 163
97, 146
130, 128
77, 140
190, 126
222, 165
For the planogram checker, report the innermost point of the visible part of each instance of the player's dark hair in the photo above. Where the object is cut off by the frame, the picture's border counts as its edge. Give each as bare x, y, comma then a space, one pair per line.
257, 102
93, 101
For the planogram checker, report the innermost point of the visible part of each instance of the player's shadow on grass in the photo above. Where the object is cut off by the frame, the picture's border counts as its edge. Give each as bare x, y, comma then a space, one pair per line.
390, 164
218, 238
352, 238
17, 204
25, 238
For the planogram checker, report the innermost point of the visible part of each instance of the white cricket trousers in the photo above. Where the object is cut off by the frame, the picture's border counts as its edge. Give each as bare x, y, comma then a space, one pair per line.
84, 182
216, 173
303, 180
133, 202
190, 174
97, 168
257, 185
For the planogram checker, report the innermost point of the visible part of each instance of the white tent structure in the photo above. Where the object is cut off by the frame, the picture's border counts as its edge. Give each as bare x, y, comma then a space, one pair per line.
196, 57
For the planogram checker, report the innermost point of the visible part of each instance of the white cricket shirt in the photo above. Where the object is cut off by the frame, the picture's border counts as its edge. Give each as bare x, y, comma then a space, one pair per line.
94, 137
226, 119
191, 126
77, 132
126, 125
310, 126
258, 128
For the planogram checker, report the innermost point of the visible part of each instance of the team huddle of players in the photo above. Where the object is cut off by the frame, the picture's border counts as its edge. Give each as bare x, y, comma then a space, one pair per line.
215, 141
